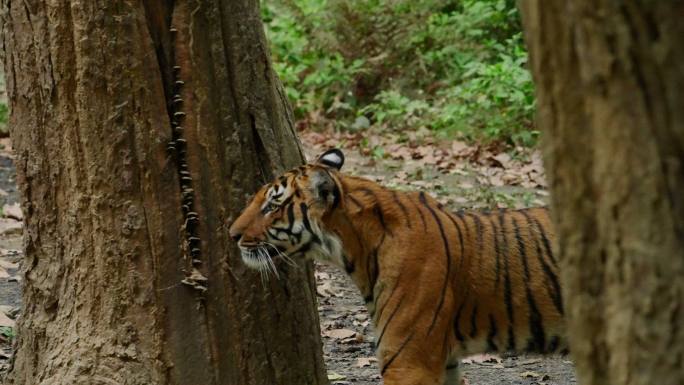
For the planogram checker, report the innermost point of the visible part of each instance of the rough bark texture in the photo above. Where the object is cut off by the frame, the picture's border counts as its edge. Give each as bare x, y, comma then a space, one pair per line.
610, 87
129, 180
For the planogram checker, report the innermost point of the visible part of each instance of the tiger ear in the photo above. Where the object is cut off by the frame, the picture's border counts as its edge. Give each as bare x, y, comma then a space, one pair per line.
332, 158
324, 188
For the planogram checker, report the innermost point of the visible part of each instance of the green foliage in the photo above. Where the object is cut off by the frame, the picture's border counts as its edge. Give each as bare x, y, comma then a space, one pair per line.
4, 117
7, 332
457, 67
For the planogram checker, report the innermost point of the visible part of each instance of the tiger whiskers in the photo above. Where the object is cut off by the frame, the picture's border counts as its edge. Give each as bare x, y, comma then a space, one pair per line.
269, 261
282, 255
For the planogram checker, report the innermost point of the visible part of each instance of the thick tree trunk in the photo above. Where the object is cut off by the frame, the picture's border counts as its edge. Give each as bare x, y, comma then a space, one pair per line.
610, 89
130, 179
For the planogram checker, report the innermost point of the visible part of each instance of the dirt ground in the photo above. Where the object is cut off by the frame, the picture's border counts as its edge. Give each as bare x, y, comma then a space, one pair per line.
347, 333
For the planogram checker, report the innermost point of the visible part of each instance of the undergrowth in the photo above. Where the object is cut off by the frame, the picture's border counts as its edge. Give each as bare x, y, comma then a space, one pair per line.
455, 67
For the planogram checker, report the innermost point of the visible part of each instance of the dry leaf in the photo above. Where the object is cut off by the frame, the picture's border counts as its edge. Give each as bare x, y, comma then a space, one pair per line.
530, 361
8, 265
503, 159
481, 358
529, 374
332, 376
6, 321
10, 226
325, 290
3, 273
13, 211
365, 361
339, 334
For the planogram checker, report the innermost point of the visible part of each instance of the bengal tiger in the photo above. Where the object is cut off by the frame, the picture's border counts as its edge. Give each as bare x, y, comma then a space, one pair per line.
438, 285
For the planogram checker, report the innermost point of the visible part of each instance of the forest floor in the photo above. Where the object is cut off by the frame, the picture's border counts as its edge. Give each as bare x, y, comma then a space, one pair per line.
458, 175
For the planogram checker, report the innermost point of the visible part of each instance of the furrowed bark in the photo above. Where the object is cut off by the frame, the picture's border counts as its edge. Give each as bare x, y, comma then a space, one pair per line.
610, 87
129, 181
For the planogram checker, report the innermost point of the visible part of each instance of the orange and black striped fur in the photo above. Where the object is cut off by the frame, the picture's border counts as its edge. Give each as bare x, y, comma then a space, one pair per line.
438, 285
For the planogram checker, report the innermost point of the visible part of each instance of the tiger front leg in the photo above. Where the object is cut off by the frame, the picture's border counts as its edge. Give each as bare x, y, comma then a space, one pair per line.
412, 376
413, 364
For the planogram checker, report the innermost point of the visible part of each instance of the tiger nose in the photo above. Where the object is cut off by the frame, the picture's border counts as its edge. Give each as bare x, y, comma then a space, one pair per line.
236, 235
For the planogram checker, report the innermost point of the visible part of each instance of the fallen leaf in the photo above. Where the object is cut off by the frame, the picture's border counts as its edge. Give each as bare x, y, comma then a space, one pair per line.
481, 358
339, 334
365, 361
503, 159
10, 226
332, 376
325, 289
529, 374
8, 265
6, 321
13, 211
530, 361
3, 273
458, 148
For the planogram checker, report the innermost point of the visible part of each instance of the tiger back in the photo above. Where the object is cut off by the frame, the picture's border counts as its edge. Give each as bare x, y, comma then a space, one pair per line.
438, 285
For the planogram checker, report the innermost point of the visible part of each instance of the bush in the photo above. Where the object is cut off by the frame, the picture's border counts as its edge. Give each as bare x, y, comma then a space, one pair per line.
456, 67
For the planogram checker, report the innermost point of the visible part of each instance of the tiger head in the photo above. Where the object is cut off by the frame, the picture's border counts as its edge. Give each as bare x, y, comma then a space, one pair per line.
284, 219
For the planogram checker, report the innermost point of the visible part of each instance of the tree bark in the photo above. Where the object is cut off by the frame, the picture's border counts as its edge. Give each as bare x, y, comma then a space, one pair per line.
139, 128
610, 88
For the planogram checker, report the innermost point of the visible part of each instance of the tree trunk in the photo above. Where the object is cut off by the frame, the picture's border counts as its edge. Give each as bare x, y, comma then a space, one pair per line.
610, 89
130, 179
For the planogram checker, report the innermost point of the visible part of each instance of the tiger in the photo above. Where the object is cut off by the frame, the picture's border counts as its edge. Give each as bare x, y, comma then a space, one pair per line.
438, 285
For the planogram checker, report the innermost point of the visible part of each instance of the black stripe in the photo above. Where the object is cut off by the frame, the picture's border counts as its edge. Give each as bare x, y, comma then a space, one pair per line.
348, 265
395, 196
290, 217
394, 288
387, 324
491, 345
389, 362
497, 253
307, 224
460, 238
354, 201
508, 294
336, 196
303, 248
422, 217
286, 201
473, 322
381, 218
553, 344
547, 244
457, 326
372, 270
538, 342
479, 234
555, 291
305, 217
375, 301
448, 260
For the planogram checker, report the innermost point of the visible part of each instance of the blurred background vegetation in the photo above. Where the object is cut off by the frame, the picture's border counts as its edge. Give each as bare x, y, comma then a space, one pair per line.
454, 67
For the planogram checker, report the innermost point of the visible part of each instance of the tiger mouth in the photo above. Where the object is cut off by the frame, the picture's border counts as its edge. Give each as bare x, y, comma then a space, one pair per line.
261, 256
